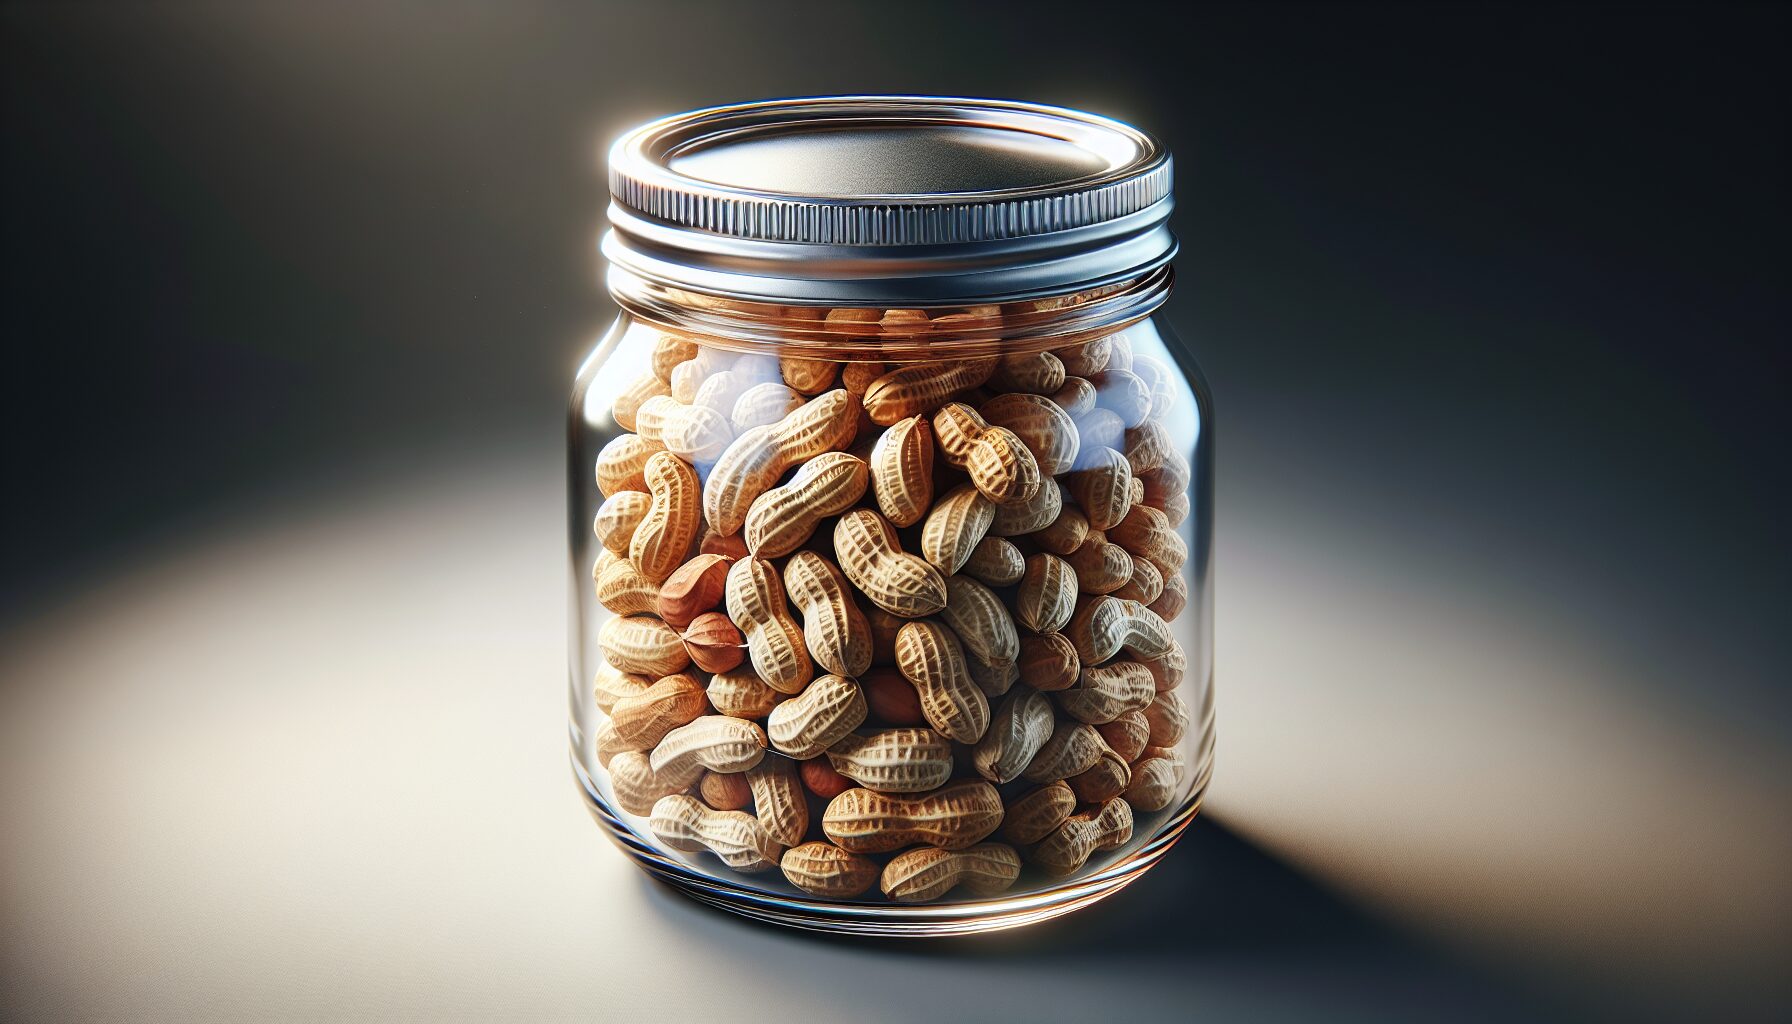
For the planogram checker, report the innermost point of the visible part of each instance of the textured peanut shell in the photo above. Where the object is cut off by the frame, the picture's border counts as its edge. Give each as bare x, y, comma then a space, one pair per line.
612, 684
1048, 661
1104, 489
685, 823
927, 873
623, 589
1127, 735
1155, 781
1039, 373
954, 527
1102, 567
1106, 779
741, 694
1069, 846
997, 462
1072, 749
619, 463
1046, 597
908, 760
828, 708
996, 562
715, 742
642, 644
902, 471
1045, 428
823, 869
1018, 727
623, 409
920, 388
1105, 692
755, 599
781, 519
1106, 625
617, 518
642, 720
1036, 814
836, 631
929, 656
952, 817
778, 800
758, 457
872, 558
636, 785
670, 527
981, 621
1034, 514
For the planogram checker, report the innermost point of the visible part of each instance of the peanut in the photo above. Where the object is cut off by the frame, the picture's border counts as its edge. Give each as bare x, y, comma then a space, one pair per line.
1170, 603
1039, 373
612, 685
891, 698
894, 760
687, 377
1167, 668
928, 655
1018, 727
1146, 533
1038, 813
1076, 397
1101, 567
642, 720
872, 558
693, 588
636, 786
1105, 780
902, 470
763, 405
622, 588
741, 694
820, 778
1103, 488
1072, 749
1147, 448
666, 533
952, 817
781, 519
1035, 513
1107, 624
617, 518
1154, 783
1046, 597
778, 799
994, 680
1125, 393
1168, 716
1127, 735
858, 375
808, 376
1048, 661
1087, 358
713, 642
1146, 584
642, 644
668, 351
837, 633
996, 562
724, 792
1158, 381
809, 723
921, 387
1065, 533
954, 527
981, 621
1045, 428
823, 869
1105, 692
684, 823
758, 457
628, 403
1069, 846
694, 433
619, 463
998, 463
755, 599
927, 873
715, 742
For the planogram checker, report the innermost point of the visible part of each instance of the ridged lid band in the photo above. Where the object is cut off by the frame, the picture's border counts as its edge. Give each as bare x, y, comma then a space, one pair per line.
827, 201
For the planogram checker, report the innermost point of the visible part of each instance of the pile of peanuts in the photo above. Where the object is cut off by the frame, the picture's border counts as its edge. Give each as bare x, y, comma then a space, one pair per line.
932, 596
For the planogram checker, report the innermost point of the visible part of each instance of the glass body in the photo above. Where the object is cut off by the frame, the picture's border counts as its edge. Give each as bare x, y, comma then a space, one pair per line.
892, 621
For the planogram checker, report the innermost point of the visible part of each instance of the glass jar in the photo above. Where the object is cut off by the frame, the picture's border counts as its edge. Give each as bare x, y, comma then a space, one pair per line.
890, 514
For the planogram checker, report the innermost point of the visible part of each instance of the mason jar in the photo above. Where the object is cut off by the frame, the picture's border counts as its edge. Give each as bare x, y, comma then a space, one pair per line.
890, 515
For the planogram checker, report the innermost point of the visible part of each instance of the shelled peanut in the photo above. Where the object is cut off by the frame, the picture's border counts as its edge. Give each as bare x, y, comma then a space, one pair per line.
893, 626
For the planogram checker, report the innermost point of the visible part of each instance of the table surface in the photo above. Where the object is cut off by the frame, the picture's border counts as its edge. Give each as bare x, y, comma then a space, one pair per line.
309, 761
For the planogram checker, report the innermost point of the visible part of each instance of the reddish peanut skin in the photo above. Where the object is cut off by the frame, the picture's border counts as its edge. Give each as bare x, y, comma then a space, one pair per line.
820, 778
892, 698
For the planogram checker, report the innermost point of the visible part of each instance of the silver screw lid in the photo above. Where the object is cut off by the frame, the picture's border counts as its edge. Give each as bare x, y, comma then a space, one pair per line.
892, 200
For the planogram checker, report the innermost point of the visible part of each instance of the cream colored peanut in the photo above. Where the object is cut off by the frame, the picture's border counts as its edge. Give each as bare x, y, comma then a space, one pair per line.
1155, 781
669, 528
928, 873
619, 463
872, 558
1070, 845
668, 351
952, 817
623, 589
807, 724
1107, 624
997, 462
1045, 428
996, 562
755, 599
954, 527
823, 869
1046, 597
910, 760
617, 518
781, 519
612, 684
929, 656
982, 622
642, 720
920, 388
1038, 813
902, 470
1039, 373
808, 376
741, 694
757, 458
715, 742
1018, 727
642, 644
628, 403
693, 433
778, 800
1105, 692
836, 631
763, 405
1031, 515
687, 377
635, 784
685, 823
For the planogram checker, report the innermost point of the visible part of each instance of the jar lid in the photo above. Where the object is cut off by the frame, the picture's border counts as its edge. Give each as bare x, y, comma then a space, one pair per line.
892, 200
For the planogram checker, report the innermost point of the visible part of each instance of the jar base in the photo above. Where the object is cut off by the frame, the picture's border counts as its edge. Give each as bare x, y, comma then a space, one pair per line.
894, 920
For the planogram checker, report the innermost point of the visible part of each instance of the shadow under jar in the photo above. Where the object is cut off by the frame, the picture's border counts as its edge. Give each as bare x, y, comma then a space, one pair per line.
890, 515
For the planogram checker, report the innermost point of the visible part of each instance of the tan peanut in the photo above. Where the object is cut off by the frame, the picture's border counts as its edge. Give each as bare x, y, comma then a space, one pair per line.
1105, 625
954, 527
611, 685
1103, 489
1065, 533
1154, 783
1146, 533
1105, 692
1101, 567
1045, 428
1125, 393
1033, 514
1146, 584
872, 558
891, 698
997, 462
1070, 845
694, 433
1168, 716
619, 463
669, 528
668, 351
1105, 780
732, 547
807, 724
781, 519
1147, 448
1127, 735
1018, 727
1170, 603
644, 719
858, 375
1088, 357
724, 792
617, 518
837, 633
984, 627
1038, 373
853, 321
756, 603
1048, 661
894, 760
823, 869
902, 470
684, 823
1038, 813
1046, 597
1168, 668
952, 817
763, 405
1076, 397
927, 873
994, 680
714, 643
922, 387
695, 587
623, 589
715, 742
1072, 749
996, 562
642, 644
808, 376
929, 656
778, 800
758, 457
741, 694
628, 403
636, 786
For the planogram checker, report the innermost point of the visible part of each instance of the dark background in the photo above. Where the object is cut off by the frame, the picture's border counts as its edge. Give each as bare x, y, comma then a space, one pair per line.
1507, 280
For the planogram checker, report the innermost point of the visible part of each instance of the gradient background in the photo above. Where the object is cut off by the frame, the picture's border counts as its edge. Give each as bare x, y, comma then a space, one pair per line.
1493, 300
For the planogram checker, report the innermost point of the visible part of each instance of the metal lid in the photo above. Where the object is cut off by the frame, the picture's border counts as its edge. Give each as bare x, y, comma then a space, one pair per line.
893, 200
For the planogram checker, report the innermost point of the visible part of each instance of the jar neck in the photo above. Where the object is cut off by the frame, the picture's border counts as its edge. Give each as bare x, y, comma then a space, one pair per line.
896, 334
